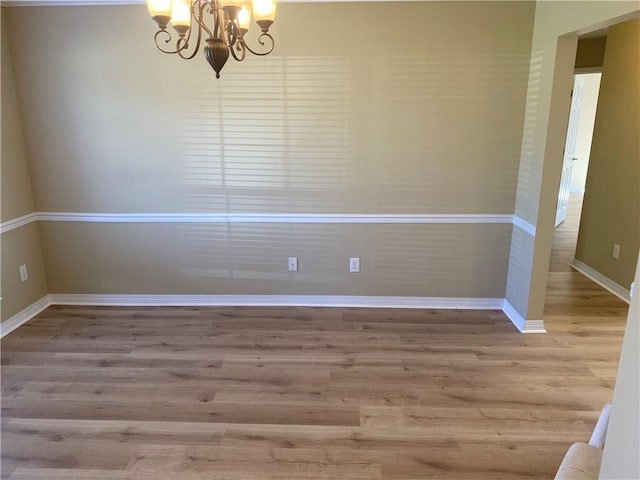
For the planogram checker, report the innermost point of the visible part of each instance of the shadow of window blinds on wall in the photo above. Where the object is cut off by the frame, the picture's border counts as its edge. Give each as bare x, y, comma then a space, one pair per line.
258, 251
529, 133
275, 139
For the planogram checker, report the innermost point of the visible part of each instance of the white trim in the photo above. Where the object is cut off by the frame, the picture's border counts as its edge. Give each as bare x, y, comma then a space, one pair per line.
17, 222
522, 324
577, 190
599, 434
528, 326
280, 300
24, 315
371, 218
271, 218
606, 283
534, 326
524, 225
513, 315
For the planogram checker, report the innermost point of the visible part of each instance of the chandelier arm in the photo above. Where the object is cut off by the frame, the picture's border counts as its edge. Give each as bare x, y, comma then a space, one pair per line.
165, 32
200, 6
189, 56
240, 47
198, 9
218, 20
233, 33
262, 42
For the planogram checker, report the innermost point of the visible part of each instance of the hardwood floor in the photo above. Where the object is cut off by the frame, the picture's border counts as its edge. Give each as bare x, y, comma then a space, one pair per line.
565, 236
306, 393
570, 295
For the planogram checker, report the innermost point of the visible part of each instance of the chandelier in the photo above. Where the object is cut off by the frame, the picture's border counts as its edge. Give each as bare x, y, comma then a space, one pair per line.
224, 23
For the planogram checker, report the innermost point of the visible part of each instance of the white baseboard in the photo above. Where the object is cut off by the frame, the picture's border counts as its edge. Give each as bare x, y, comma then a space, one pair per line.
534, 326
606, 283
453, 303
280, 301
522, 324
24, 315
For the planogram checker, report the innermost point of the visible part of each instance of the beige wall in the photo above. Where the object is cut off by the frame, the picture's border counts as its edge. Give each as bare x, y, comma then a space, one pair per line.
22, 245
611, 210
556, 29
584, 134
397, 260
17, 197
363, 120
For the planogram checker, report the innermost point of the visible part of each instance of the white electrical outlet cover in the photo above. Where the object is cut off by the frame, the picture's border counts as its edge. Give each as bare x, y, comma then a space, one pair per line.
354, 264
293, 264
24, 274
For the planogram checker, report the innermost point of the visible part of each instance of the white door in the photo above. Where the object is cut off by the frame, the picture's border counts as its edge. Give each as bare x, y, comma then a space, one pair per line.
569, 151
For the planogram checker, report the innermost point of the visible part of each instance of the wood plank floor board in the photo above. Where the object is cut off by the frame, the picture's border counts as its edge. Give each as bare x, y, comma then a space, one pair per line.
68, 474
119, 431
278, 393
158, 409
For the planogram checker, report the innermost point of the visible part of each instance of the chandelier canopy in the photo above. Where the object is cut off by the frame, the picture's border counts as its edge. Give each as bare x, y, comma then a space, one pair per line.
224, 24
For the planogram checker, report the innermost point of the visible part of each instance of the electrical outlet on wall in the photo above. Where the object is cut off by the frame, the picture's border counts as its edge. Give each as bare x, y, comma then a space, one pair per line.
293, 264
354, 264
24, 274
616, 251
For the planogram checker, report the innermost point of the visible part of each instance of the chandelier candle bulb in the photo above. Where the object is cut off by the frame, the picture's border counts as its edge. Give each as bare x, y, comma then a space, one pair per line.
231, 8
220, 24
264, 12
181, 16
160, 11
159, 7
231, 3
244, 17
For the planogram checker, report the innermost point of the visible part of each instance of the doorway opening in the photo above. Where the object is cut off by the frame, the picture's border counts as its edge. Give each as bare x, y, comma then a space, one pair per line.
584, 101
